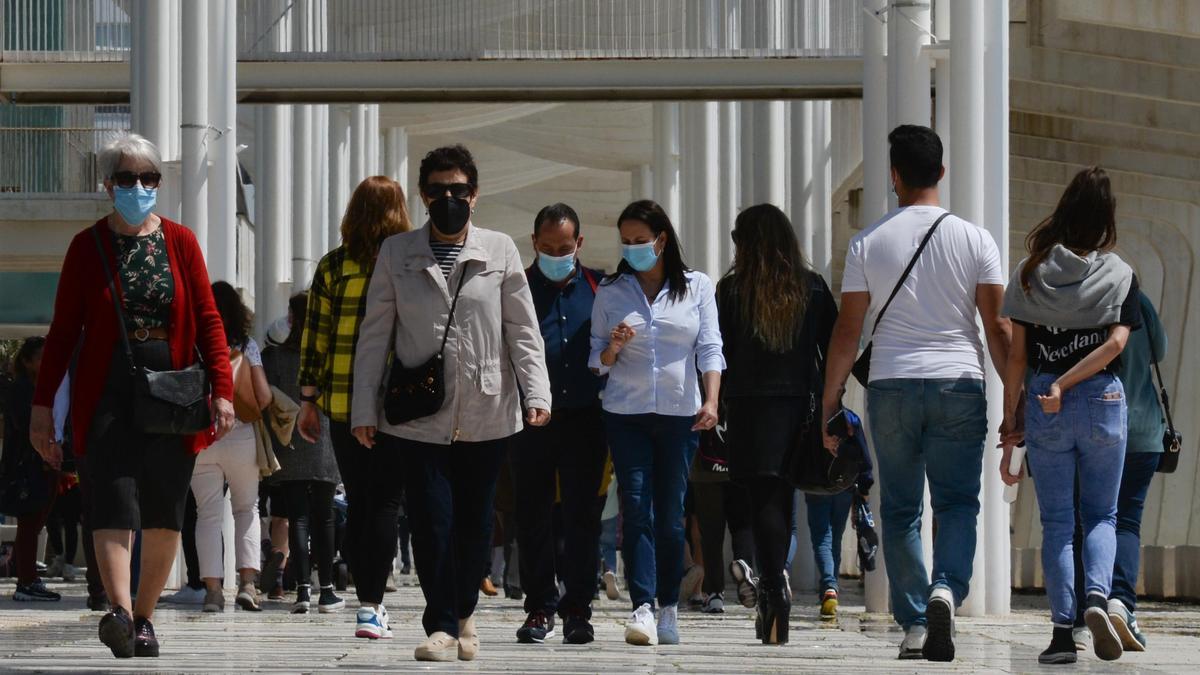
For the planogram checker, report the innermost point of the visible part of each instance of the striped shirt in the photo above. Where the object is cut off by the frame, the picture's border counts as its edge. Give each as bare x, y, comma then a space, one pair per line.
446, 254
336, 303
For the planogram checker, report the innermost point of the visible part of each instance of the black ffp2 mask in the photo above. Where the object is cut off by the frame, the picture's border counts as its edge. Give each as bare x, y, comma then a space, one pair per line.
449, 215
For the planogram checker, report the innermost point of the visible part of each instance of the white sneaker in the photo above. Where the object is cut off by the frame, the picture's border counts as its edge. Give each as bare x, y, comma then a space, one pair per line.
372, 623
610, 586
939, 617
914, 643
668, 625
641, 629
1082, 637
186, 596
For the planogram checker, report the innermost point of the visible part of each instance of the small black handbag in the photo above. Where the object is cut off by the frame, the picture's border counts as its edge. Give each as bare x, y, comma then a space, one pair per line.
173, 402
1172, 439
413, 393
23, 486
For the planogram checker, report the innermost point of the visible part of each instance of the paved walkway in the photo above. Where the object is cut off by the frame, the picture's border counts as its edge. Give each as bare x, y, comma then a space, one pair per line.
62, 637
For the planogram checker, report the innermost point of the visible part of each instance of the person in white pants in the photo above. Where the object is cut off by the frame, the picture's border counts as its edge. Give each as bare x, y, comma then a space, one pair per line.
233, 461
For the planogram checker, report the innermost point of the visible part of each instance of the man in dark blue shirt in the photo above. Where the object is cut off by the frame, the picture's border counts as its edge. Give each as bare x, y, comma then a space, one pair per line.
567, 456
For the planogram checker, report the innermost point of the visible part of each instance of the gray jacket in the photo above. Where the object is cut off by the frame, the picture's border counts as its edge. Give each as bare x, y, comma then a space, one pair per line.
494, 354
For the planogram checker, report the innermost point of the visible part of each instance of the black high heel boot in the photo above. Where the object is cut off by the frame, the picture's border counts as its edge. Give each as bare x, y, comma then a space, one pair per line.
776, 612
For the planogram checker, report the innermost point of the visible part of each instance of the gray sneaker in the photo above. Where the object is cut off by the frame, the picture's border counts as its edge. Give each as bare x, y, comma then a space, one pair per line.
214, 600
1125, 623
913, 645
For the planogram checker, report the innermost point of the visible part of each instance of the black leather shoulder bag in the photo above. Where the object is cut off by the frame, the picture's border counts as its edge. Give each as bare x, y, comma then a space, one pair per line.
413, 393
165, 401
1172, 439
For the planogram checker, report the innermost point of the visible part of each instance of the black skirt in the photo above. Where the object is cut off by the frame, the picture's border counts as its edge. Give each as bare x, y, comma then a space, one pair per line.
762, 430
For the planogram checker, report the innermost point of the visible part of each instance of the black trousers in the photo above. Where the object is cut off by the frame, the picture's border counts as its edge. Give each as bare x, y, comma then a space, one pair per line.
566, 456
95, 585
62, 525
449, 494
374, 487
771, 502
717, 504
310, 516
191, 557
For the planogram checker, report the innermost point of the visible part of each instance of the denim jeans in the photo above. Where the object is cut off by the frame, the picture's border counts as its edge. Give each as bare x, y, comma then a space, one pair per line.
652, 455
1086, 437
827, 515
608, 544
936, 429
1131, 501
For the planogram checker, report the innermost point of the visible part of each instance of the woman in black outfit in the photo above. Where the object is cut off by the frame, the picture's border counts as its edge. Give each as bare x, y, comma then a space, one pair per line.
308, 477
776, 318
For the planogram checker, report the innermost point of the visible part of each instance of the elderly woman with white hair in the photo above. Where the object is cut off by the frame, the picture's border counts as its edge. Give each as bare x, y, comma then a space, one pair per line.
134, 296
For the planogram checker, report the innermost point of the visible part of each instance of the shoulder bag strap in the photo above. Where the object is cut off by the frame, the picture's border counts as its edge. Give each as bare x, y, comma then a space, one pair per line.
908, 270
1162, 388
116, 297
462, 279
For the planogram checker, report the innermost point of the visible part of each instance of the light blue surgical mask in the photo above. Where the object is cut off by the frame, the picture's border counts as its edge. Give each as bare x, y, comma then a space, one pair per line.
556, 268
640, 257
135, 203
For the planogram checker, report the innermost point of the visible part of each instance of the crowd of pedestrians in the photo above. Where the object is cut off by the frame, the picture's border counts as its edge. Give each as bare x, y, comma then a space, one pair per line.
647, 409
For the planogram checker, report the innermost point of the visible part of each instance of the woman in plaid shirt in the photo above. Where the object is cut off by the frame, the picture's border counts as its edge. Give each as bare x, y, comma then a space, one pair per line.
337, 299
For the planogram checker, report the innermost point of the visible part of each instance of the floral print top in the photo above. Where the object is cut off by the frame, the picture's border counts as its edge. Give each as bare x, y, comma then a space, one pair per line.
146, 281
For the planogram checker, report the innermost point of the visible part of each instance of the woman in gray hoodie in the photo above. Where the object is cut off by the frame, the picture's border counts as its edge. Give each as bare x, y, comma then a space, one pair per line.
1073, 304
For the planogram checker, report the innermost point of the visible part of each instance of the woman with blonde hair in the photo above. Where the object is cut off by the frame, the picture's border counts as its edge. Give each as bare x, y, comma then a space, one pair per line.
337, 301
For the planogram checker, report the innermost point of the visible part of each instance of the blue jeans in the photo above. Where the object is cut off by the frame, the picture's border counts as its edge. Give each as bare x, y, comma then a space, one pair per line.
608, 544
827, 515
652, 455
935, 429
1087, 437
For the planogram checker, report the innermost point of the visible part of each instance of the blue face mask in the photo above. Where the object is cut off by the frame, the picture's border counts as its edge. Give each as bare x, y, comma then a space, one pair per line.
640, 257
135, 203
556, 268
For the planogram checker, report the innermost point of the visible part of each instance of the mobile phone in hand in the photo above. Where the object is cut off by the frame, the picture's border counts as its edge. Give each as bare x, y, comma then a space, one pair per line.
837, 425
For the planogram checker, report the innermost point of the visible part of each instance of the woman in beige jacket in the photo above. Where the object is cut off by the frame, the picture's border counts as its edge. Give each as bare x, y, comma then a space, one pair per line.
494, 367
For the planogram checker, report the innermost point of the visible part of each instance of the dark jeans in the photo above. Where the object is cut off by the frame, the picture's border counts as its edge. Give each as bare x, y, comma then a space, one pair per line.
827, 516
405, 532
772, 509
310, 515
717, 504
62, 527
652, 455
572, 448
29, 526
450, 491
1131, 501
374, 486
191, 557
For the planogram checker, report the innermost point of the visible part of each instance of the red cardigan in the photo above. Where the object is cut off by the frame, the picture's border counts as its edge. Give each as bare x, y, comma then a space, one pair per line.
84, 305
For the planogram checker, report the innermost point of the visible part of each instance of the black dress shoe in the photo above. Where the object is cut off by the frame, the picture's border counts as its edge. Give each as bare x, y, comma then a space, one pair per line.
144, 641
116, 632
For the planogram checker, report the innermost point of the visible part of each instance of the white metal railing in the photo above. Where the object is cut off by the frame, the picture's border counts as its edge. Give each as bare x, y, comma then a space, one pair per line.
54, 148
405, 30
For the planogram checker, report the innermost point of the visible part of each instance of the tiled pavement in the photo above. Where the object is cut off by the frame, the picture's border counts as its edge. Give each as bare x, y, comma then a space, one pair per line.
62, 637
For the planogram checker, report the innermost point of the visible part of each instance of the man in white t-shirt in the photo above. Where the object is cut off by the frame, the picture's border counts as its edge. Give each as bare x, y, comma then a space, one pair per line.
926, 396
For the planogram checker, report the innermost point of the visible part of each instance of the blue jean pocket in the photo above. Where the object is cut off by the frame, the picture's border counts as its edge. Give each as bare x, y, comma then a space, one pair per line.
1108, 420
1041, 428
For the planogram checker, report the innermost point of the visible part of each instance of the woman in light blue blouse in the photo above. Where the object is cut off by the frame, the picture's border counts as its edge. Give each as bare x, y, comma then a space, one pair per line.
654, 326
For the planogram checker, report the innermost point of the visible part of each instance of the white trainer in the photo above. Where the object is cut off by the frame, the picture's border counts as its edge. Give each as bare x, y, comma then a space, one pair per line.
641, 629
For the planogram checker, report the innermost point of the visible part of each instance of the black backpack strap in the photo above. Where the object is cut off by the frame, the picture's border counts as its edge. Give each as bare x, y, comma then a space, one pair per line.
116, 297
908, 270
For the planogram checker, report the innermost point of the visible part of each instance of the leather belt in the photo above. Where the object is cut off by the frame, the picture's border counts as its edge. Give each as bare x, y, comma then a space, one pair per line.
147, 334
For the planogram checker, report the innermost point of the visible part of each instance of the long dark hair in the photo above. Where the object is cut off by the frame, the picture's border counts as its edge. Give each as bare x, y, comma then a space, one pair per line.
769, 276
234, 314
656, 219
1085, 220
25, 353
298, 308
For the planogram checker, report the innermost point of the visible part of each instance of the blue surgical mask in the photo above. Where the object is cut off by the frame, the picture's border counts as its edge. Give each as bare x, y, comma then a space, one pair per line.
135, 203
640, 257
556, 268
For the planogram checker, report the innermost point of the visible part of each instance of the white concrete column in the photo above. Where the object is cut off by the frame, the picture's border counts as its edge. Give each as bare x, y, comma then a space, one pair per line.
908, 64
666, 158
875, 204
998, 543
275, 227
374, 145
702, 215
339, 171
730, 159
821, 196
303, 180
770, 153
174, 84
223, 161
319, 196
967, 158
801, 165
359, 133
194, 127
150, 96
941, 102
748, 167
396, 166
641, 182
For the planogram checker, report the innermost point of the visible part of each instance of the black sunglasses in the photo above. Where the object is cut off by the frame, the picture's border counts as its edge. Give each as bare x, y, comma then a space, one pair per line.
127, 179
456, 190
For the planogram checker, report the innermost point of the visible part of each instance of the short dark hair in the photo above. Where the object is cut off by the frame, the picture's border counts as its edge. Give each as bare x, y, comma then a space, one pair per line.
556, 213
916, 154
449, 158
25, 353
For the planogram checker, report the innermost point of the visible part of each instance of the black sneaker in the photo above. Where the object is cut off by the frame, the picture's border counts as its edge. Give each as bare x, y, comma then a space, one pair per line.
303, 600
35, 592
538, 628
1061, 649
116, 631
578, 630
144, 641
1105, 640
406, 569
329, 601
97, 602
514, 592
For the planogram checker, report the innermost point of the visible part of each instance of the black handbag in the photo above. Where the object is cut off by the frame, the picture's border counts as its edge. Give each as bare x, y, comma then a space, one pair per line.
23, 486
1172, 439
811, 468
173, 402
862, 366
413, 393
